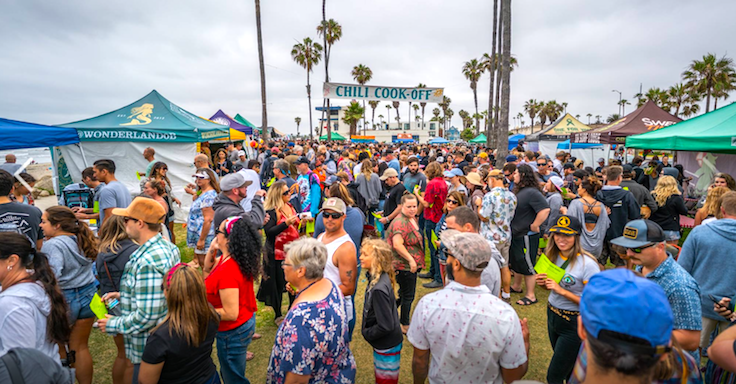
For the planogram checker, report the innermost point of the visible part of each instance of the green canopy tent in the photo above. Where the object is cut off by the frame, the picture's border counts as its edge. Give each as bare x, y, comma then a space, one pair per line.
713, 132
479, 139
335, 136
123, 134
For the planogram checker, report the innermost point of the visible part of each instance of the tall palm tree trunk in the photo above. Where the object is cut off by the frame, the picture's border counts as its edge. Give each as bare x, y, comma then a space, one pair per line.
327, 66
309, 97
477, 120
264, 115
363, 117
503, 126
490, 135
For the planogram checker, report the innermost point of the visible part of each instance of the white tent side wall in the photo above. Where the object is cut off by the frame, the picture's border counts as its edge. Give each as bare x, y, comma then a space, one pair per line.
128, 158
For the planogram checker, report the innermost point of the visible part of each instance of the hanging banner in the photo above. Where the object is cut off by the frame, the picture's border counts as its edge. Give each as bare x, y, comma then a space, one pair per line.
370, 92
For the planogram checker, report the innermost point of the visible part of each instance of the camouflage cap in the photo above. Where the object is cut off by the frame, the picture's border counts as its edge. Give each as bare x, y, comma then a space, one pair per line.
470, 249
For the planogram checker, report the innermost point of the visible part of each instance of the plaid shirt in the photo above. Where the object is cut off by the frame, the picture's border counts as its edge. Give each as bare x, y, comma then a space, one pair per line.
142, 298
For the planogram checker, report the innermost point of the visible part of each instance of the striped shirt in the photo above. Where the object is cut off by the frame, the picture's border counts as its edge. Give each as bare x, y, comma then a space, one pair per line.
142, 298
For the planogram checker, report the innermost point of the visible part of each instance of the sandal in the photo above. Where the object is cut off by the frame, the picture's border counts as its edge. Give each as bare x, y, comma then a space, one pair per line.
515, 291
256, 336
525, 301
249, 356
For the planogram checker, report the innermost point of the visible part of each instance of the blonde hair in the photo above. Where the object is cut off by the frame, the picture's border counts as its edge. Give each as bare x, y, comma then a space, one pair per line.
111, 233
713, 201
273, 197
366, 167
382, 260
666, 187
189, 312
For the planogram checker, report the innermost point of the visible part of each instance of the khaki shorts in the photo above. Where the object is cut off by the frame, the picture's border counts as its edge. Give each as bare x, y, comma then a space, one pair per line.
504, 247
709, 325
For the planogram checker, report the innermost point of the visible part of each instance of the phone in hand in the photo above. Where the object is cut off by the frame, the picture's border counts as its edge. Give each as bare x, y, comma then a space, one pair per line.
716, 301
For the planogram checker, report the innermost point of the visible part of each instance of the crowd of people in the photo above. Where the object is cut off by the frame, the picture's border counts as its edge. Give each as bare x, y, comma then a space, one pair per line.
628, 300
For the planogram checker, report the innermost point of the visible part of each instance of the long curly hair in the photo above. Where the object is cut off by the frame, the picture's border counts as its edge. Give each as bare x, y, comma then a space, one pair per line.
527, 179
712, 204
244, 244
666, 187
382, 260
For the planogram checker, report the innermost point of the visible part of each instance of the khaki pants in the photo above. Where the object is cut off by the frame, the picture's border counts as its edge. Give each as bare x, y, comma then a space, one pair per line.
709, 325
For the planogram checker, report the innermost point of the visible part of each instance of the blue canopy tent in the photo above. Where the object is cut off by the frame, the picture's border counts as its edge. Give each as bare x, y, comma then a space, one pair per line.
566, 145
438, 140
514, 140
18, 134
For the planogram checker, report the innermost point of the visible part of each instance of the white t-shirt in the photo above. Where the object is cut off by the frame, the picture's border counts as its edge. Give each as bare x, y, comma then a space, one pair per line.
470, 332
251, 175
357, 169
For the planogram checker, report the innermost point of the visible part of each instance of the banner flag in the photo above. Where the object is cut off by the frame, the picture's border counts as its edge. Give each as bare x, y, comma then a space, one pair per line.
371, 92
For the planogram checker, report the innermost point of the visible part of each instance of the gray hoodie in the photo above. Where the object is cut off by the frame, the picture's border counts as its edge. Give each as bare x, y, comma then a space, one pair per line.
24, 311
72, 269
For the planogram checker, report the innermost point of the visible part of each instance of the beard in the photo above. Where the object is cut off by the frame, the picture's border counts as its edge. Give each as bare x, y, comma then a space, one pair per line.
448, 273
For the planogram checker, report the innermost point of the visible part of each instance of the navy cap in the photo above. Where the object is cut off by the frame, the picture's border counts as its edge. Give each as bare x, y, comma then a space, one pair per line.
567, 225
511, 158
639, 233
301, 160
617, 300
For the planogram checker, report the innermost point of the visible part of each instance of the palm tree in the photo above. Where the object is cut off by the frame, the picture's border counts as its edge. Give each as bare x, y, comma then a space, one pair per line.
659, 97
721, 91
623, 103
543, 113
589, 116
640, 99
416, 113
490, 62
532, 108
374, 105
598, 119
362, 75
564, 105
492, 68
678, 95
436, 113
308, 54
398, 114
448, 116
519, 117
388, 116
577, 117
265, 133
690, 110
380, 118
331, 32
703, 75
472, 70
423, 103
297, 120
445, 106
502, 127
612, 118
353, 114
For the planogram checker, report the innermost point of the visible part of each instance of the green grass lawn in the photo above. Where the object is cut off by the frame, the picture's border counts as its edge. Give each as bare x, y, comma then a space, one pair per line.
104, 352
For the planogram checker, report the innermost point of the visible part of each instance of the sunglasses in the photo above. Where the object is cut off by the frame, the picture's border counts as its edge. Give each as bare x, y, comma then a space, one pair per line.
451, 201
126, 219
334, 215
287, 193
541, 164
638, 250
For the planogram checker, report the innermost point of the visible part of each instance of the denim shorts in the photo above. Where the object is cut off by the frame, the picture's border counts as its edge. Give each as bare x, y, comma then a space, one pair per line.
672, 235
78, 300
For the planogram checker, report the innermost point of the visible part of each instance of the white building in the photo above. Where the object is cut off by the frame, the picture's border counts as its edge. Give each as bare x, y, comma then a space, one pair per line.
385, 132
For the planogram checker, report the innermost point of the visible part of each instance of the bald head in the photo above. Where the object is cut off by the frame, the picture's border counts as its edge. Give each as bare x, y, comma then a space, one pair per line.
10, 158
200, 161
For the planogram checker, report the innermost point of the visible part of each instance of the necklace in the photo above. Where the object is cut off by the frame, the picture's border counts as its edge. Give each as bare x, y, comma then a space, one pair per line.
305, 288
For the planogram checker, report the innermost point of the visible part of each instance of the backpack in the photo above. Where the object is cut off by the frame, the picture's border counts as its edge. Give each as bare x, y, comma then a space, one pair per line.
30, 366
77, 195
267, 170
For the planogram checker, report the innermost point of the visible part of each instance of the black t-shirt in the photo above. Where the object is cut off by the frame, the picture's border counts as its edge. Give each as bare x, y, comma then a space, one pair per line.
23, 219
183, 364
529, 202
394, 199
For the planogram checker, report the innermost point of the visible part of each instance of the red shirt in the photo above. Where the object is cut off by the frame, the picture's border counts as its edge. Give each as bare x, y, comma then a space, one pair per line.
435, 196
227, 275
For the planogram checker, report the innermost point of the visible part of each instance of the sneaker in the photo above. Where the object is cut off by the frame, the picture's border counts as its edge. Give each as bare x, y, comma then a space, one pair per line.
432, 284
425, 275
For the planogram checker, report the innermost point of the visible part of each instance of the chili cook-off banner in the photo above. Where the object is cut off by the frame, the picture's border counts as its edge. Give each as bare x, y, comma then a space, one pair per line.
370, 92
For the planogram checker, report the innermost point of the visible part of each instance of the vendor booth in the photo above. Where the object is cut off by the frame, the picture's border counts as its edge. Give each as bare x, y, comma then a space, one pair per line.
123, 134
238, 131
648, 117
546, 141
18, 134
480, 139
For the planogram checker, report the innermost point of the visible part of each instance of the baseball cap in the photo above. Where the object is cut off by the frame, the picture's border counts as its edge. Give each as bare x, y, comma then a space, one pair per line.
511, 158
567, 225
143, 209
483, 155
568, 166
440, 159
275, 150
470, 249
241, 153
557, 181
474, 178
331, 180
638, 233
453, 172
496, 173
671, 171
334, 204
601, 160
301, 160
201, 175
619, 301
628, 168
234, 180
389, 172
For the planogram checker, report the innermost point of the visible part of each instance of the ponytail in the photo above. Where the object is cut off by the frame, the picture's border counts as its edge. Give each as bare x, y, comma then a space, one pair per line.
68, 222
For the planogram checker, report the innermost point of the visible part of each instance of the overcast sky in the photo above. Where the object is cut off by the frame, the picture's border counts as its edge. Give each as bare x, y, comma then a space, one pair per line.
68, 60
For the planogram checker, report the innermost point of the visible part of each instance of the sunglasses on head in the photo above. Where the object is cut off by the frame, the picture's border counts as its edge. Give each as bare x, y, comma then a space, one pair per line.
219, 232
638, 250
332, 215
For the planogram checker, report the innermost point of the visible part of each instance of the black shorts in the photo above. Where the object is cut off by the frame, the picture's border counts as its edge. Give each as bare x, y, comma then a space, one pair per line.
523, 254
